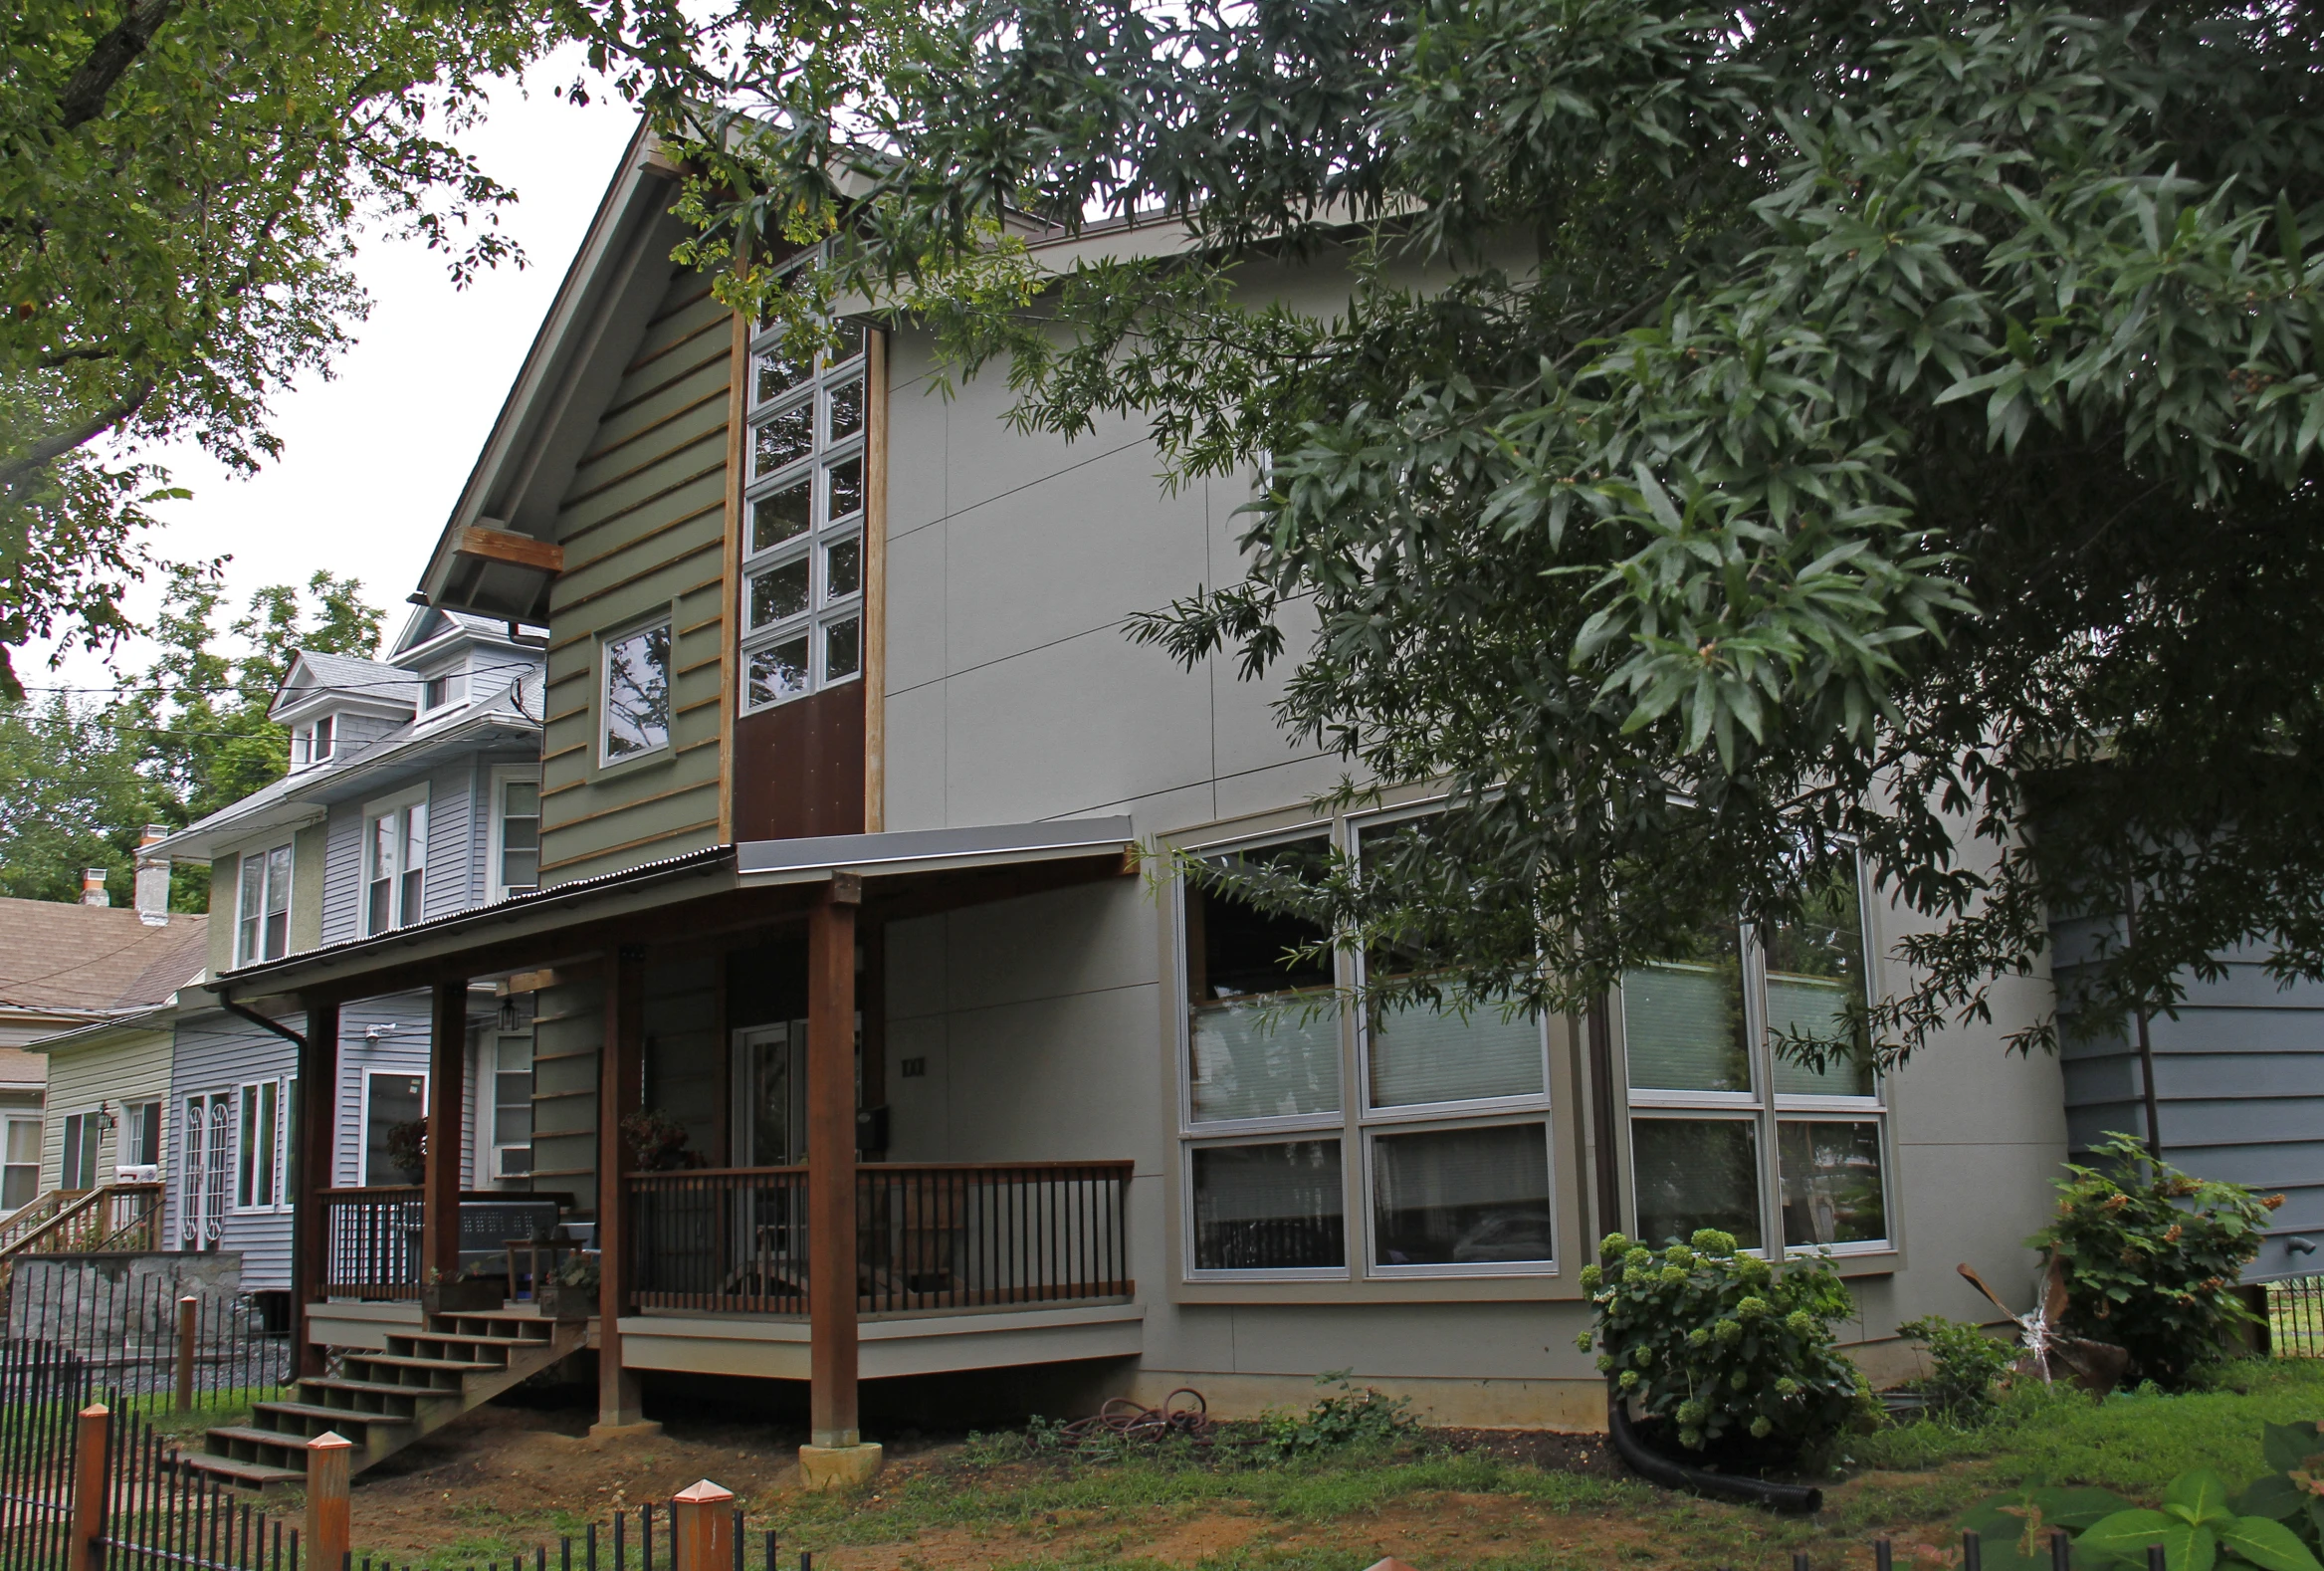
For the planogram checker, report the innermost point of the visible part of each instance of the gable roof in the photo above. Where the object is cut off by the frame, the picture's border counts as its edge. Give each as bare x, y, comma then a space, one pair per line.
371, 680
72, 958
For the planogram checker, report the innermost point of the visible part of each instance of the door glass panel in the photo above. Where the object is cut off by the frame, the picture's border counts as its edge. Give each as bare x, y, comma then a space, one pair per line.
775, 1114
1831, 1182
1696, 1173
395, 1100
1461, 1197
1269, 1208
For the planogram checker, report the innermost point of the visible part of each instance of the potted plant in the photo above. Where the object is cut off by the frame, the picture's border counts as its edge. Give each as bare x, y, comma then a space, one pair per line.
476, 1287
659, 1142
571, 1292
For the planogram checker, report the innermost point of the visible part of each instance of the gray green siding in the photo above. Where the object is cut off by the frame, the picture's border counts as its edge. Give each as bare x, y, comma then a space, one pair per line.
643, 526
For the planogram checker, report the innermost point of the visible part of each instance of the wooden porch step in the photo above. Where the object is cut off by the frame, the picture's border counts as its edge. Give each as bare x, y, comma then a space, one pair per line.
373, 1388
250, 1475
449, 1366
244, 1434
310, 1412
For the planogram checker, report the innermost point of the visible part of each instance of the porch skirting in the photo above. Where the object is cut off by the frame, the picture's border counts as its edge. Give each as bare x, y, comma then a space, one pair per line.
893, 1345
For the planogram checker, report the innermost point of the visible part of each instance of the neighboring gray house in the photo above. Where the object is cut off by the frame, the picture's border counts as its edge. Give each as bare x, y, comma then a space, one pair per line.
413, 793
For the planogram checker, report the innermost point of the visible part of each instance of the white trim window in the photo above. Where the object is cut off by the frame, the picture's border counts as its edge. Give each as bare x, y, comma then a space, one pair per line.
77, 1162
262, 924
263, 1112
443, 690
20, 1162
1410, 1142
395, 862
205, 1168
803, 532
516, 832
512, 1110
1732, 1124
138, 1142
314, 741
634, 694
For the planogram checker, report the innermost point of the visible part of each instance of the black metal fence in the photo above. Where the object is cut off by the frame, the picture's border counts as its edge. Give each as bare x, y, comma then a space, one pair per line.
160, 1515
646, 1540
41, 1389
2295, 1317
149, 1341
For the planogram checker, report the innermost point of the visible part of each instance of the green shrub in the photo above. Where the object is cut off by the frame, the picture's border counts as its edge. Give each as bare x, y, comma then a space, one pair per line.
1724, 1345
1967, 1360
2152, 1258
1344, 1418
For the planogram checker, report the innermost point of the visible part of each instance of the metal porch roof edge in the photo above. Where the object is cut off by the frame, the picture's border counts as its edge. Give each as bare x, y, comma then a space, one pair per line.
927, 850
754, 863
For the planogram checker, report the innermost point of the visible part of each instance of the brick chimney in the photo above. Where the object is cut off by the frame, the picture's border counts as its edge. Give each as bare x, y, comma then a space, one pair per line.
93, 888
153, 879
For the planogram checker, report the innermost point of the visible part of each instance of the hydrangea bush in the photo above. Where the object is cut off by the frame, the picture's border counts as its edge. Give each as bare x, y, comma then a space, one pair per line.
1724, 1345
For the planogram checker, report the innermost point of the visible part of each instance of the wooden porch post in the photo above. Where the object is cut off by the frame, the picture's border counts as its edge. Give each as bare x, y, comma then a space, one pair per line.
318, 1136
447, 1072
831, 1244
621, 1088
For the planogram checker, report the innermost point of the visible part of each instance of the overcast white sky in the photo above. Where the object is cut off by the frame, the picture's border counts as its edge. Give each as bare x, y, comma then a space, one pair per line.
374, 458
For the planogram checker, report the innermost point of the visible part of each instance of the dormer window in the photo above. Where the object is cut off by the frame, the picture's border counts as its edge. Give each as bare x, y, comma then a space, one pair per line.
444, 688
312, 741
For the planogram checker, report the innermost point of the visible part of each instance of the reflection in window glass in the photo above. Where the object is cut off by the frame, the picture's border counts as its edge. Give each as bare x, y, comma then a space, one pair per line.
847, 409
1682, 1020
1815, 972
1831, 1182
1461, 1197
843, 569
779, 671
847, 489
780, 515
786, 438
1696, 1173
1269, 1208
842, 649
778, 593
1263, 1022
1420, 1053
637, 692
779, 374
519, 836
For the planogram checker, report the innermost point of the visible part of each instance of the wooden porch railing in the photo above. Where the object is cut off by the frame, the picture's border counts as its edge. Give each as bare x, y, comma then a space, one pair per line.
928, 1235
73, 1221
374, 1241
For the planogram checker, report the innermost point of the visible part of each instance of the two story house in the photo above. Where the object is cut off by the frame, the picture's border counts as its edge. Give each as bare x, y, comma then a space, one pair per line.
844, 767
412, 793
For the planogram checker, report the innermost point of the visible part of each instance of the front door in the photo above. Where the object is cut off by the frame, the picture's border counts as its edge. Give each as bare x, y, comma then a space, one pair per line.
770, 1111
204, 1163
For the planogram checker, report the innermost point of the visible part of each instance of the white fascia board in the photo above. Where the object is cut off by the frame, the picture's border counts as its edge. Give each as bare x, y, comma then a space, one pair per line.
816, 858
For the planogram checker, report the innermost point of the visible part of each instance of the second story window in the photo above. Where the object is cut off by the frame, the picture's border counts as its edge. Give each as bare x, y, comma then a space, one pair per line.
803, 530
516, 846
445, 688
262, 910
395, 863
313, 743
636, 694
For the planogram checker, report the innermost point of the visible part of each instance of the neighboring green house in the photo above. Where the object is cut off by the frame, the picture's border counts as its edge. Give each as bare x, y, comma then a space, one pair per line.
107, 1085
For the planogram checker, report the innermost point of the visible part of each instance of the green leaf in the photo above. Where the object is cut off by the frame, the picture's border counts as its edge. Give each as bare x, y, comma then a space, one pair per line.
2276, 1498
2269, 1545
2127, 1535
2285, 1446
2202, 1494
2077, 1508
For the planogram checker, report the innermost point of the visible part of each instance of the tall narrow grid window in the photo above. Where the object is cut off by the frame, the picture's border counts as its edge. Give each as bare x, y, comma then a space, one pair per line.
395, 866
512, 1104
263, 906
515, 835
20, 1162
1754, 1107
1442, 1134
139, 1141
77, 1167
803, 530
258, 1168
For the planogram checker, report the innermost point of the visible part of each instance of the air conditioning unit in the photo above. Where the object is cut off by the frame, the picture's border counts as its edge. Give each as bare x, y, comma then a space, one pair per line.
140, 1173
512, 1162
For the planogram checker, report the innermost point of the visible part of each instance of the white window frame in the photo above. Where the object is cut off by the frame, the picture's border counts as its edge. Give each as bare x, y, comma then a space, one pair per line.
9, 1121
454, 679
159, 1109
667, 624
823, 533
490, 1109
277, 1167
364, 1175
322, 730
397, 807
498, 782
1765, 1108
1357, 1124
92, 1121
262, 859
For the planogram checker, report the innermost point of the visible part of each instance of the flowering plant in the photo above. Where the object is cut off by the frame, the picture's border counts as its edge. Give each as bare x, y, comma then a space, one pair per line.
2152, 1258
1723, 1345
659, 1141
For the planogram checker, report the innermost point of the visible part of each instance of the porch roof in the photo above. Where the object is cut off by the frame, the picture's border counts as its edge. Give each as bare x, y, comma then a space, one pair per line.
683, 898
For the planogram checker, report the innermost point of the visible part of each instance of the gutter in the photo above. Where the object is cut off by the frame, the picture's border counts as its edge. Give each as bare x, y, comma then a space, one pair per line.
294, 1039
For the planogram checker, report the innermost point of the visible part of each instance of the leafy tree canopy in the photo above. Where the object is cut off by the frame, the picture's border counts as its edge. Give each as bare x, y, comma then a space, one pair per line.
79, 780
181, 189
1721, 438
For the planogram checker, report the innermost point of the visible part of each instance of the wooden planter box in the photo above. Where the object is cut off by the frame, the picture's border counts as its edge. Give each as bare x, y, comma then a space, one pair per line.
463, 1297
560, 1302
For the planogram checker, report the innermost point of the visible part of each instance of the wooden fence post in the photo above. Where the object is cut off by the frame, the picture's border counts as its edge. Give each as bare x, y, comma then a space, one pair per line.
327, 1501
188, 1331
89, 1488
702, 1527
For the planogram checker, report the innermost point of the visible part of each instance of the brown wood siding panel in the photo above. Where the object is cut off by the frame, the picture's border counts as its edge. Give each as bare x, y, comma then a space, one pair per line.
799, 767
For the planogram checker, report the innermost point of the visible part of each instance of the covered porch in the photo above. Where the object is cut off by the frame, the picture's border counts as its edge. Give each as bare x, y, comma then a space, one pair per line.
772, 1240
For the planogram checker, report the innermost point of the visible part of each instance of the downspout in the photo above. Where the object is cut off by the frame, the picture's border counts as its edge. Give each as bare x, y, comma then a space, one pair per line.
277, 1026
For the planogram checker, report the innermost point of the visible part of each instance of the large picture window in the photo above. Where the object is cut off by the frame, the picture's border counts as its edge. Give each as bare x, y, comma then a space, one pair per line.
1754, 1108
804, 521
1435, 1123
262, 925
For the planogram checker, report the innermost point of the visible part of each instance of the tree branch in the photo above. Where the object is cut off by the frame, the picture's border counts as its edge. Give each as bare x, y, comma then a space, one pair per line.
84, 97
49, 449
